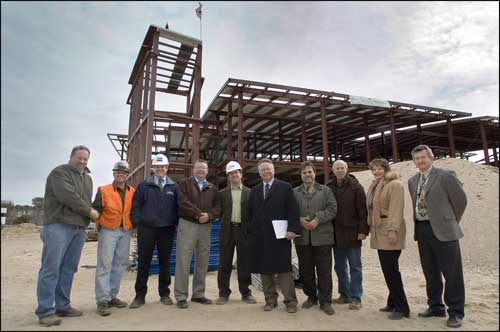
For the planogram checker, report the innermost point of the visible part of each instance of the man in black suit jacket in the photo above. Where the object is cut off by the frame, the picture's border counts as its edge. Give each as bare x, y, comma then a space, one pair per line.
233, 233
273, 200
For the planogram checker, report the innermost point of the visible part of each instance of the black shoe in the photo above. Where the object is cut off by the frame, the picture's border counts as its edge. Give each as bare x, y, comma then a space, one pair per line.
309, 303
137, 302
327, 308
166, 300
202, 300
454, 322
432, 313
182, 304
396, 315
387, 308
249, 299
222, 300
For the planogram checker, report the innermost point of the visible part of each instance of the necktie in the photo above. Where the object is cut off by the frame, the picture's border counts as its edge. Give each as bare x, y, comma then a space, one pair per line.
421, 194
160, 183
422, 183
266, 191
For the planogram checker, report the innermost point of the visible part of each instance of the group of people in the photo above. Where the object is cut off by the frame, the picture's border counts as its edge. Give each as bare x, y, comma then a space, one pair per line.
318, 218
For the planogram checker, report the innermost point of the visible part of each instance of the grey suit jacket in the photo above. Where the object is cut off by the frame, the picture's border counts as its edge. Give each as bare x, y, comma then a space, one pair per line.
445, 201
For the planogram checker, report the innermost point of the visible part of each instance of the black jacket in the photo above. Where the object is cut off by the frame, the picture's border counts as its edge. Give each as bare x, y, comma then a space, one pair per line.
267, 254
154, 207
226, 204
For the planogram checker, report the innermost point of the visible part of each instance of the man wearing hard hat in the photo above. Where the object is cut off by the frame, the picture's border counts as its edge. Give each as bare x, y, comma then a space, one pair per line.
113, 202
154, 213
233, 233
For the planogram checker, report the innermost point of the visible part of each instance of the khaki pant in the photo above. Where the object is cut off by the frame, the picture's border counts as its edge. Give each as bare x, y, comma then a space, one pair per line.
191, 237
286, 284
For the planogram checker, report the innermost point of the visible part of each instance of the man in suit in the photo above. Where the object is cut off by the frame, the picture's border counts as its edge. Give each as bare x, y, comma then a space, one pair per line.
439, 202
233, 201
272, 200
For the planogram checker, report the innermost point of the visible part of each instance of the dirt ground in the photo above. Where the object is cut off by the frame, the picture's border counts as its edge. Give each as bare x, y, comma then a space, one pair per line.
20, 261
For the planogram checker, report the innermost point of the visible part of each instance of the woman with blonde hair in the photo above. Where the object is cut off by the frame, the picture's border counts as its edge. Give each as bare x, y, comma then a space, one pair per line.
385, 200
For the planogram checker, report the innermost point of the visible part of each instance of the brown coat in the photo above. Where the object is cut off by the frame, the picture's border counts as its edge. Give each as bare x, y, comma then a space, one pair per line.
389, 203
351, 212
192, 202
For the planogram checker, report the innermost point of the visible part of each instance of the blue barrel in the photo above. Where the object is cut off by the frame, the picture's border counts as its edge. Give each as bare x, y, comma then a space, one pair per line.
213, 260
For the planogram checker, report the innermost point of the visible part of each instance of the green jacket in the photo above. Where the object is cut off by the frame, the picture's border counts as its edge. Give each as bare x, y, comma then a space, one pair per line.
321, 204
68, 196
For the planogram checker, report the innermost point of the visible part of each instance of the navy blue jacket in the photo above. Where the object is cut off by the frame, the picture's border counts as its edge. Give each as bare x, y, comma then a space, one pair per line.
154, 208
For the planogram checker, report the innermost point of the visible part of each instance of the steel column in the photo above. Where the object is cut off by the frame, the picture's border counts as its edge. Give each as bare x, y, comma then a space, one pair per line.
280, 147
451, 138
151, 108
419, 132
303, 145
484, 140
324, 138
395, 157
382, 138
240, 126
195, 148
229, 146
367, 142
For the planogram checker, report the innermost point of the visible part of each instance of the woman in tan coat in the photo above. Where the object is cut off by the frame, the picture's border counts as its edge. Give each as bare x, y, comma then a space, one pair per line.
385, 200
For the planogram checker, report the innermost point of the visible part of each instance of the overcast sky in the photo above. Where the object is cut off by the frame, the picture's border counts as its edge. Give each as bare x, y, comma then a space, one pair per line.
65, 66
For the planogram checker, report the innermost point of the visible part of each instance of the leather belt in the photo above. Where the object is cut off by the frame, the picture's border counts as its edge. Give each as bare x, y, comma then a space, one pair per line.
237, 224
422, 221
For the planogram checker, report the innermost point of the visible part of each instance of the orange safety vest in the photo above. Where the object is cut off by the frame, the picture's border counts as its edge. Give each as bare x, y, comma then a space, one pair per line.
113, 210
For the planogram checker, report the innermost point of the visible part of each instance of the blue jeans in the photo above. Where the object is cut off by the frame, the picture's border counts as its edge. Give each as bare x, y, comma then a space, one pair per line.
112, 258
350, 277
62, 248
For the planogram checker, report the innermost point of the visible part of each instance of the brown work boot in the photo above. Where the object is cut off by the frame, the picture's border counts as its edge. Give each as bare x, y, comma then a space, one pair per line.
50, 320
270, 306
103, 309
117, 303
291, 309
70, 312
342, 300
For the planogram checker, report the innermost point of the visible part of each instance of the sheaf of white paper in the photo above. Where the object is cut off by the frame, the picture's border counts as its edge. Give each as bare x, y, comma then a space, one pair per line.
280, 227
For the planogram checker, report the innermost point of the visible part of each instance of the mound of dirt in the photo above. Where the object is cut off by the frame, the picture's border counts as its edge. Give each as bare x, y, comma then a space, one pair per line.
21, 229
479, 245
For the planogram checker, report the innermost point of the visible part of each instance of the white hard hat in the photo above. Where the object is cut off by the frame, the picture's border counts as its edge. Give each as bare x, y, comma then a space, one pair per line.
232, 166
159, 160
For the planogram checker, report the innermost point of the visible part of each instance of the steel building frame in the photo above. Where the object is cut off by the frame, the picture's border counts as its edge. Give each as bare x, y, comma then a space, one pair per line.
249, 120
